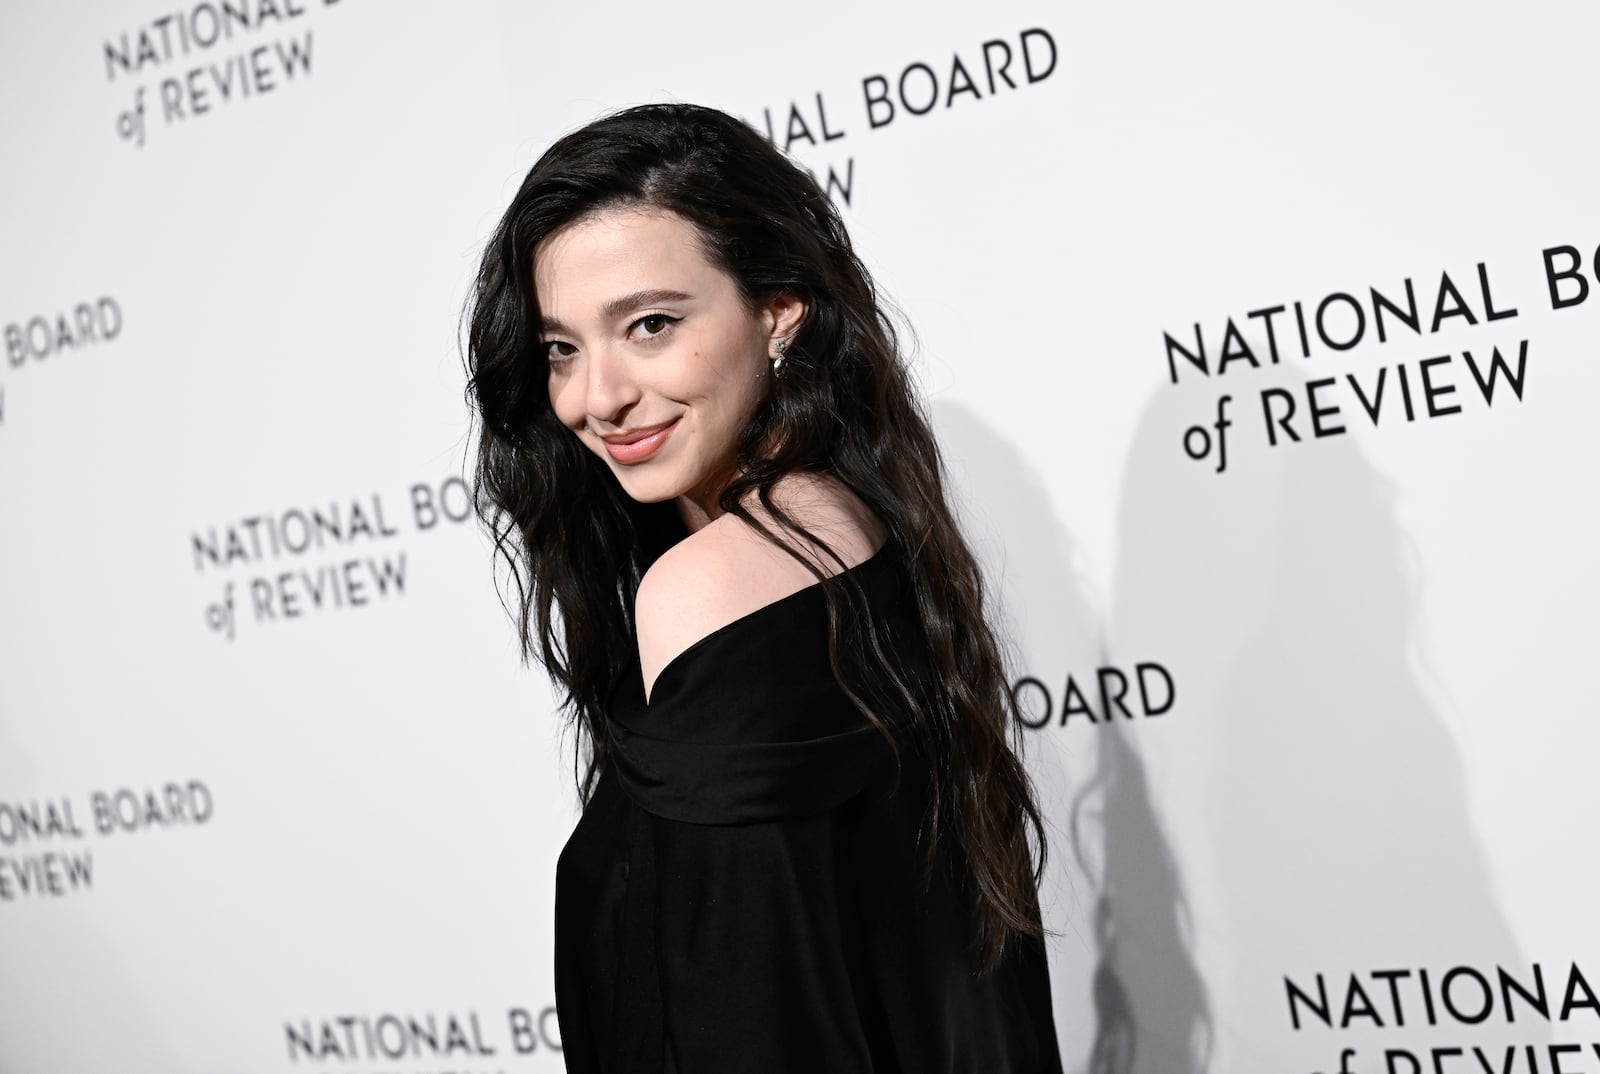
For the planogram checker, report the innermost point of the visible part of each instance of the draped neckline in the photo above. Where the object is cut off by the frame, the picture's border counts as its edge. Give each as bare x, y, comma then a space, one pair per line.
747, 724
675, 666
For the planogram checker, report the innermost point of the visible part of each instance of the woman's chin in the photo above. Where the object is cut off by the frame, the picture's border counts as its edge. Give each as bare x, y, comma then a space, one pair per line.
646, 488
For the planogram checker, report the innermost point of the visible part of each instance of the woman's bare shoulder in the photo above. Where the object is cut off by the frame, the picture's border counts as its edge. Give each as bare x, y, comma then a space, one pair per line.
727, 569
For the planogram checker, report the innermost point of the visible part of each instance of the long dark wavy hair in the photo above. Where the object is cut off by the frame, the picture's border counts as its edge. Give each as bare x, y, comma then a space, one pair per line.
577, 545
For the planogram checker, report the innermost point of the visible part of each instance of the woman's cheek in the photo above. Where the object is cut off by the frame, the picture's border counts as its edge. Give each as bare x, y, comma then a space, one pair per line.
566, 401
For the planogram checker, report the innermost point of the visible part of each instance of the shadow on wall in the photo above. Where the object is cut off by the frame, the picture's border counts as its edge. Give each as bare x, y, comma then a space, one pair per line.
1149, 997
1323, 811
1128, 996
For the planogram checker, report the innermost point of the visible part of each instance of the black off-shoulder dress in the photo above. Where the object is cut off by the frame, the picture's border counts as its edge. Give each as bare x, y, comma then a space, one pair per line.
743, 892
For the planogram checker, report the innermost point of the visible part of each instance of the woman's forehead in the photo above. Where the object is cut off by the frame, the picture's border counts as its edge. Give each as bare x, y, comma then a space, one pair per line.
620, 233
592, 264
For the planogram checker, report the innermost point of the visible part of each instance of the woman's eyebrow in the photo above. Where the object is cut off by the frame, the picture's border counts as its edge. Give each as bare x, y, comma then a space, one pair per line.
620, 305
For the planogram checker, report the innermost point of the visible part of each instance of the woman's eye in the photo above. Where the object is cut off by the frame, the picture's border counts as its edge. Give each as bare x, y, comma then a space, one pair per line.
656, 324
554, 356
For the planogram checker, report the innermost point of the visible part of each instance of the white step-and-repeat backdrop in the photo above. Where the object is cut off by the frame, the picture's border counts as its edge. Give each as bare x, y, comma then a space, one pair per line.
1262, 345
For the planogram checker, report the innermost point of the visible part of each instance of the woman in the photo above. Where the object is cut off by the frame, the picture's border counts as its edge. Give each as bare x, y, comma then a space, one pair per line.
805, 840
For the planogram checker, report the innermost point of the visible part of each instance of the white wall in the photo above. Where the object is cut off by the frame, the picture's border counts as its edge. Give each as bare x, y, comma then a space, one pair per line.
1370, 651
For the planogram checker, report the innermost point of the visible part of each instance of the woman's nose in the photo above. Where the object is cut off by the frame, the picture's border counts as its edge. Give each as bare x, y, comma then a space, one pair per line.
611, 386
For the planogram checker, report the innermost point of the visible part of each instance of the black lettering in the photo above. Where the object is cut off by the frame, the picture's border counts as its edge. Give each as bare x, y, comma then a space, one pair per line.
1196, 357
1457, 305
1297, 997
1405, 392
1030, 682
933, 89
1319, 412
1445, 992
1266, 316
798, 131
1322, 328
1497, 365
1390, 1055
1573, 272
1372, 406
171, 99
197, 94
960, 82
1107, 698
842, 186
990, 69
295, 55
1357, 1004
1576, 983
1234, 348
1073, 703
822, 118
1489, 312
1536, 999
1430, 390
1144, 689
1027, 56
1267, 395
1408, 316
882, 98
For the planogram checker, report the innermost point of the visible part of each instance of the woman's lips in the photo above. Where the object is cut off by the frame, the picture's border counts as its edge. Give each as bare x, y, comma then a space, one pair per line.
642, 448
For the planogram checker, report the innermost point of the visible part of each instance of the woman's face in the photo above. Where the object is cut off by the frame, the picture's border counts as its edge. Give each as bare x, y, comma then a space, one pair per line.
655, 363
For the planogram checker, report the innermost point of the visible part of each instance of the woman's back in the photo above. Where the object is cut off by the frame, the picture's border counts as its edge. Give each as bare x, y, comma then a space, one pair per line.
744, 890
727, 568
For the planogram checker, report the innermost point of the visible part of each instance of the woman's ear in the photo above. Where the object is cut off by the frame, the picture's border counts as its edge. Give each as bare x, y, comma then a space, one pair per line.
784, 311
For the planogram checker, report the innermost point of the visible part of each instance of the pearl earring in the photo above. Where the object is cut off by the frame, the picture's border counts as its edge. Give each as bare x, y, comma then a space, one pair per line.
777, 363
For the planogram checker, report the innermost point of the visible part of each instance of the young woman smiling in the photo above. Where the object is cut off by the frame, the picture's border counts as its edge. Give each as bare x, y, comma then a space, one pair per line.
807, 842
